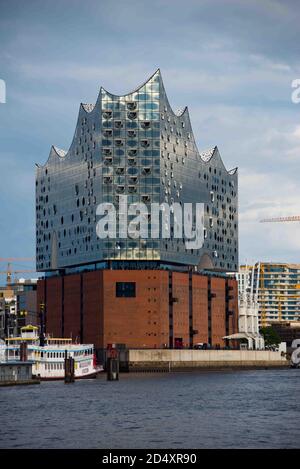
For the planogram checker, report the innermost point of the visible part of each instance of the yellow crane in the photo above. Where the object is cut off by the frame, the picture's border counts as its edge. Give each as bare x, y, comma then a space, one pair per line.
280, 219
8, 272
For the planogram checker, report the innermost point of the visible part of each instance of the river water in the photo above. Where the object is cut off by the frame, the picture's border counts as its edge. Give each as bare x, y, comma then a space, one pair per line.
211, 409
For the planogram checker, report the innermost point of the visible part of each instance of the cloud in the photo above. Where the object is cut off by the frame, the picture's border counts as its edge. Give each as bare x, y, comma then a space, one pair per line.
264, 195
231, 62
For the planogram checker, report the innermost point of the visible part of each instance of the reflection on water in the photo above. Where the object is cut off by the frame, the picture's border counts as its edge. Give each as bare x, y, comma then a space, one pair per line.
241, 409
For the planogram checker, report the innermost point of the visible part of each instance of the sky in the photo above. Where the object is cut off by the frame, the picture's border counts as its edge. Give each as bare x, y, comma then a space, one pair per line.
231, 62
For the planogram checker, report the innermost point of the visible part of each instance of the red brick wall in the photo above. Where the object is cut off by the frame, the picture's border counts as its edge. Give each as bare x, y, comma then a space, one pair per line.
181, 307
72, 306
39, 297
141, 321
200, 308
233, 306
163, 285
93, 328
218, 306
54, 306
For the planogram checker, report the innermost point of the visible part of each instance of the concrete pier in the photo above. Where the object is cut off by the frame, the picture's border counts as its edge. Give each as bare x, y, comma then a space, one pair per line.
16, 373
183, 359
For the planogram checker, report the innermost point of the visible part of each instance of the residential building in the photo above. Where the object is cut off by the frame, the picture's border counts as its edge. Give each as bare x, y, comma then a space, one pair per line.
278, 290
18, 306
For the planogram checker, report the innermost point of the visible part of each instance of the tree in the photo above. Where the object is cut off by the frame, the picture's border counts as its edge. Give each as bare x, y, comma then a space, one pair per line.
270, 335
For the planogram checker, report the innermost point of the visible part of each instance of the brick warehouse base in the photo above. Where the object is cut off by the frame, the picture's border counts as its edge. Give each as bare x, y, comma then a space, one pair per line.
140, 308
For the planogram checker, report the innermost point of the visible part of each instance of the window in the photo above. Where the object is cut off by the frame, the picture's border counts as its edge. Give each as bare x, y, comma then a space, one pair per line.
125, 289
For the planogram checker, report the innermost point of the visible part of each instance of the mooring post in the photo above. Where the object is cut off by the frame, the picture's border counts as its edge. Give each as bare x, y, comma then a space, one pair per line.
23, 352
66, 367
112, 363
69, 369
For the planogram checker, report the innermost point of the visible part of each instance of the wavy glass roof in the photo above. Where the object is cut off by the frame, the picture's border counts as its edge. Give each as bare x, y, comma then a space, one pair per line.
86, 108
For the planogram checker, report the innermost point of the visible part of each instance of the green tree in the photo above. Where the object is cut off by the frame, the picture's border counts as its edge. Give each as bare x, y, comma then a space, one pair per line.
270, 335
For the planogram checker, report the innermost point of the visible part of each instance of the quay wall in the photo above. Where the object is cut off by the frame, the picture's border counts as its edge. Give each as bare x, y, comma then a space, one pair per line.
14, 373
143, 360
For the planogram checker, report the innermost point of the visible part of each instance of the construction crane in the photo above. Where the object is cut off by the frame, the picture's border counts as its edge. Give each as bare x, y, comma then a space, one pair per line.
280, 219
8, 272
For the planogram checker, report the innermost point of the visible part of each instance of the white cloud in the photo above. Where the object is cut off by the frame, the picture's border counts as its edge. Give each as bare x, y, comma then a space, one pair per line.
267, 196
232, 65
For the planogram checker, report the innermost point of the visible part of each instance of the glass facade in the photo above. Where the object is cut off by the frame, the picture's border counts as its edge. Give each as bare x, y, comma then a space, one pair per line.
133, 145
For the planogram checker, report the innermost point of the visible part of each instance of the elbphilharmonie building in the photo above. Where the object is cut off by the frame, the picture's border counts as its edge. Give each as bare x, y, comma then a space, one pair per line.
133, 145
147, 291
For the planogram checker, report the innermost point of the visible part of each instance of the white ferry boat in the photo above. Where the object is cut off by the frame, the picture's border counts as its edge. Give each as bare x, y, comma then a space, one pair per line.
48, 360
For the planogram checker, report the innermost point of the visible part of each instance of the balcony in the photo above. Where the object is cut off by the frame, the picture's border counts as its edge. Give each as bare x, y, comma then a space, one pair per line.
132, 115
146, 170
107, 180
120, 171
118, 124
131, 106
107, 160
107, 114
146, 125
